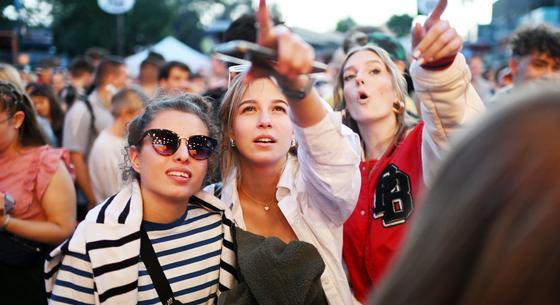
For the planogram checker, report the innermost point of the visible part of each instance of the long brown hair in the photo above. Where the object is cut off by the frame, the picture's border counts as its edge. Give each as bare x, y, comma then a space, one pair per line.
488, 230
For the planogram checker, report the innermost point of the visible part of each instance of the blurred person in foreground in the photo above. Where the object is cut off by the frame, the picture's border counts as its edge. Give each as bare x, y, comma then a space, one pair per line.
107, 150
488, 231
37, 199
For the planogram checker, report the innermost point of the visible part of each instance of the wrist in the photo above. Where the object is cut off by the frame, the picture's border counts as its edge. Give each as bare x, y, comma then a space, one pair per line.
5, 222
296, 89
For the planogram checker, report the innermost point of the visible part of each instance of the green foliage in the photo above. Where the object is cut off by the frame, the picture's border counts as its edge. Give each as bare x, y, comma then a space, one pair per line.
345, 24
79, 24
400, 24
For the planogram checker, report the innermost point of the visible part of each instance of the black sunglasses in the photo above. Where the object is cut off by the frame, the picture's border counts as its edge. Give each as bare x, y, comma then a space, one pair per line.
166, 142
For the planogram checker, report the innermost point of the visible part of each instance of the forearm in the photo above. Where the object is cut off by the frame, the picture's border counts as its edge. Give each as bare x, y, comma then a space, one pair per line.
307, 111
41, 231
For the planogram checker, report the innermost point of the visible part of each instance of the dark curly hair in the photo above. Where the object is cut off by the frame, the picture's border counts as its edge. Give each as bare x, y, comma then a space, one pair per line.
540, 38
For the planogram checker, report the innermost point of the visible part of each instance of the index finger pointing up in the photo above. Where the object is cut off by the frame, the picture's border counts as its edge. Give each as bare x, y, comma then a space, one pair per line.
263, 20
437, 12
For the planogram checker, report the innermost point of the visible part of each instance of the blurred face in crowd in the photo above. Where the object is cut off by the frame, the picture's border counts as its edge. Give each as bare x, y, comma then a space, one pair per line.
178, 80
476, 65
41, 105
262, 129
58, 82
534, 66
149, 74
368, 87
175, 177
120, 79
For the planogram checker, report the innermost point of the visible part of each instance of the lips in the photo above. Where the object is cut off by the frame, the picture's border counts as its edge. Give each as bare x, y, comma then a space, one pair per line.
362, 97
264, 139
180, 175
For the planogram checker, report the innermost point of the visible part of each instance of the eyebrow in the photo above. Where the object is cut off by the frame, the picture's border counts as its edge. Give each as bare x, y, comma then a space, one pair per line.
276, 101
367, 62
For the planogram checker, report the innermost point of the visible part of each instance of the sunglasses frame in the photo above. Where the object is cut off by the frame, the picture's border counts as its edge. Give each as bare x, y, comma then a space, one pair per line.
188, 142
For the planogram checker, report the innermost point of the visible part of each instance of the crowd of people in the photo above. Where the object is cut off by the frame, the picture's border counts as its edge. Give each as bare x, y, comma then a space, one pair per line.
419, 179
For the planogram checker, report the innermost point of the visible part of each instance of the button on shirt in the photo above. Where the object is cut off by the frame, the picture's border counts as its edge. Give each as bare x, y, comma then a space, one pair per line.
317, 192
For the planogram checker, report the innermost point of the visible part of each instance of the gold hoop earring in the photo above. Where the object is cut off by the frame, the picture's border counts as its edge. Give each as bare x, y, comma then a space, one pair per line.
398, 107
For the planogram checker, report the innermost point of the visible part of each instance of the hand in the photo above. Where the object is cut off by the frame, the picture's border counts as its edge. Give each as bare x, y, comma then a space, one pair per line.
436, 39
295, 56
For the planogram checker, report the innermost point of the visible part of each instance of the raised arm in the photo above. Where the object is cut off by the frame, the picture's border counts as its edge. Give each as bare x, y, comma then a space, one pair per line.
442, 84
295, 58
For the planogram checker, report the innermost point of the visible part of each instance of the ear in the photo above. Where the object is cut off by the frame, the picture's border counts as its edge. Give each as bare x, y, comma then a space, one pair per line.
18, 118
134, 157
513, 66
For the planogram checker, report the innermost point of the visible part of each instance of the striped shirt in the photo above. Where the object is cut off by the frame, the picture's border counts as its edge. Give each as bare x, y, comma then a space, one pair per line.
101, 263
188, 251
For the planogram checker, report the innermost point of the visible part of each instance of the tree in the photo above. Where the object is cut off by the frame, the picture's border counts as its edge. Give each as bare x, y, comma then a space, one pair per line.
345, 24
400, 24
79, 24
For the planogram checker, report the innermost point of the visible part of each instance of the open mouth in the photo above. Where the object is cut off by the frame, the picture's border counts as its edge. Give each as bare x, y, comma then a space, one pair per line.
264, 140
363, 97
179, 173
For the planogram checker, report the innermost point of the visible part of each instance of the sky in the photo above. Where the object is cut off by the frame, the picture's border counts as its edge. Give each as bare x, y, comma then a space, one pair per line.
322, 15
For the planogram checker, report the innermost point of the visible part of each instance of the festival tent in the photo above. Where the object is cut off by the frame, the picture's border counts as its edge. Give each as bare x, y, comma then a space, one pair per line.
171, 49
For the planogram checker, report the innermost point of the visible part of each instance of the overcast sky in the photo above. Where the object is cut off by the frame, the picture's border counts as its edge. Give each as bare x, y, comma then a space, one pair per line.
322, 15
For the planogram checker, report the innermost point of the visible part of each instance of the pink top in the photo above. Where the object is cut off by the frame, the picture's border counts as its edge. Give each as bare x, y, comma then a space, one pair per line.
27, 176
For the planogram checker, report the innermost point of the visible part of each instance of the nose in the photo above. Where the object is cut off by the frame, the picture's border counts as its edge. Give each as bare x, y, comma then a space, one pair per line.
182, 153
359, 78
264, 119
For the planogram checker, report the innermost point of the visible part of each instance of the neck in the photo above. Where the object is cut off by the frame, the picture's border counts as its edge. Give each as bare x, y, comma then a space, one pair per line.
377, 136
12, 150
118, 128
259, 181
104, 95
162, 210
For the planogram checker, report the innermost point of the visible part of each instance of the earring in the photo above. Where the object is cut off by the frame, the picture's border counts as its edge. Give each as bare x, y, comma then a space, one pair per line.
293, 143
231, 143
398, 107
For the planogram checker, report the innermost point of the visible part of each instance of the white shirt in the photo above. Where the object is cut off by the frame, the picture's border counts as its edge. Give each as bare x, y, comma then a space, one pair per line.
317, 192
104, 165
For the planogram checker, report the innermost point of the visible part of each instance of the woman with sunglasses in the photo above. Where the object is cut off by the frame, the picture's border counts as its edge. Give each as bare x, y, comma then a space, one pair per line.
398, 159
37, 200
271, 189
170, 150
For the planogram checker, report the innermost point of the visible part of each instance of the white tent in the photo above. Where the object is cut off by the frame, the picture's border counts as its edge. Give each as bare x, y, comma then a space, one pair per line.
171, 49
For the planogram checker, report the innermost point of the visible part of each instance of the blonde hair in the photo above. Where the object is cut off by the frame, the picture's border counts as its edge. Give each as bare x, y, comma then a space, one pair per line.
399, 86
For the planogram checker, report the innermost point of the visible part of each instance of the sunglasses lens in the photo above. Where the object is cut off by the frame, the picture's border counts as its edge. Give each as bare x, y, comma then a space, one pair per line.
201, 147
165, 142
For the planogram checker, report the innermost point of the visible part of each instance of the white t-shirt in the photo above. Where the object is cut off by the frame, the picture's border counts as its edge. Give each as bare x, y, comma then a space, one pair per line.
104, 165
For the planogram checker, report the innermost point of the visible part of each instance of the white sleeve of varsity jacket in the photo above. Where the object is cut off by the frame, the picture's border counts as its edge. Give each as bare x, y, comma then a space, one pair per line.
448, 102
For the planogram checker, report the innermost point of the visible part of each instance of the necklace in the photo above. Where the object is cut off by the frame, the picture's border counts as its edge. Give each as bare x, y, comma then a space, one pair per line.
266, 206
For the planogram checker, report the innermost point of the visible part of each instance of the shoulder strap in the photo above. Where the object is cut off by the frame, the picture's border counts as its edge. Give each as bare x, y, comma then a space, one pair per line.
155, 271
90, 109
